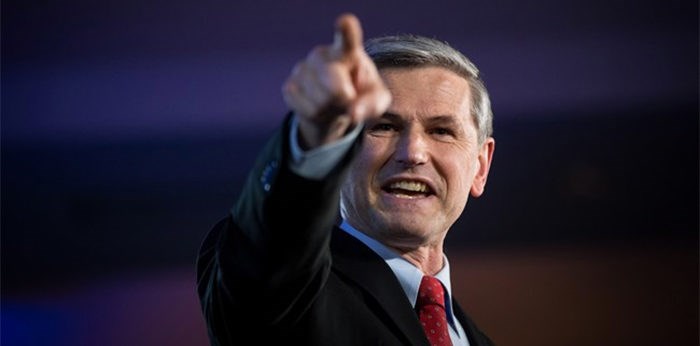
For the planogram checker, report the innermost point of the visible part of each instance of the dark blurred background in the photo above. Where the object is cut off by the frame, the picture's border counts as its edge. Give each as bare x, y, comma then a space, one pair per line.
128, 126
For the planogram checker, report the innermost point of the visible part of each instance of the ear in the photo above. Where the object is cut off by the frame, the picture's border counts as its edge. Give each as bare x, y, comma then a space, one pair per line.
484, 164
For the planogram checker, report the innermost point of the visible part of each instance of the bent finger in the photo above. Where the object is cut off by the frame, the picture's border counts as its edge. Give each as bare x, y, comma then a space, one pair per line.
373, 102
297, 101
333, 76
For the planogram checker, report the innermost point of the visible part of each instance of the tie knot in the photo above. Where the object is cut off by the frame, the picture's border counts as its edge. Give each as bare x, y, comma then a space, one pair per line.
430, 292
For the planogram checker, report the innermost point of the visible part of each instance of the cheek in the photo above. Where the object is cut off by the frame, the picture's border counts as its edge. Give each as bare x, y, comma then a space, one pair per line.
362, 170
370, 157
462, 176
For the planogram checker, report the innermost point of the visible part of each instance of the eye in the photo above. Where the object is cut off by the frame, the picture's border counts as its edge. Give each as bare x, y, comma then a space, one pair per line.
442, 131
382, 128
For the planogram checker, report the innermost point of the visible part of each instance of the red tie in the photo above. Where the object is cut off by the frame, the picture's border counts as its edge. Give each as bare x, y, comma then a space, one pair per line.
431, 311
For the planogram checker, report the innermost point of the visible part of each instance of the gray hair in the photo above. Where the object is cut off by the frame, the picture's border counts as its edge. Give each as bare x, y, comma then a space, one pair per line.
414, 51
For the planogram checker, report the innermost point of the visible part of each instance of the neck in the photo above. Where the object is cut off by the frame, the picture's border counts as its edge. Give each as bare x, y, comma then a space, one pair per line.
426, 255
429, 259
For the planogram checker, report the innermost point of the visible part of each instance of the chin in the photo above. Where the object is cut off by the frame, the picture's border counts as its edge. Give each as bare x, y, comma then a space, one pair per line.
410, 226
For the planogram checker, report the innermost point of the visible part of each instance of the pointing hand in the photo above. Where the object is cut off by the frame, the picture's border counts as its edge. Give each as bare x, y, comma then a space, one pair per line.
336, 87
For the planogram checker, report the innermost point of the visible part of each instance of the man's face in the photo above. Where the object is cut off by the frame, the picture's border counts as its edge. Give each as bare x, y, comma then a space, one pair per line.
419, 161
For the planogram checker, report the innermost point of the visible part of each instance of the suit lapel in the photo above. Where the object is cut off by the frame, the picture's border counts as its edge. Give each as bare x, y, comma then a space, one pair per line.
357, 262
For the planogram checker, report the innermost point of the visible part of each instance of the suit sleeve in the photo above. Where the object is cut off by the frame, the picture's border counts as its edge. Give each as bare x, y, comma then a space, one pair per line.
270, 257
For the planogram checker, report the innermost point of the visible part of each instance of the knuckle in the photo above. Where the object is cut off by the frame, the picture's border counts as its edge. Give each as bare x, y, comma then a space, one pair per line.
318, 53
298, 69
289, 88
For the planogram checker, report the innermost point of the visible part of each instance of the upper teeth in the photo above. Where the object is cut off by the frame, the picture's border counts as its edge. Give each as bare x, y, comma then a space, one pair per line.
410, 186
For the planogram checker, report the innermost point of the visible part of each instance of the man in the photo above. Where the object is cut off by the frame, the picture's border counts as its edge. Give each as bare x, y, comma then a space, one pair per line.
395, 137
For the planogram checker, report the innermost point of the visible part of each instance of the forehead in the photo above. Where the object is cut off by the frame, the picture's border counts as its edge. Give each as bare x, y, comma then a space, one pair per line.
428, 91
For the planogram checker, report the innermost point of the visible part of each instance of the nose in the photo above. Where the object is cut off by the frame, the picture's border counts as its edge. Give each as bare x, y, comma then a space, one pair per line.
411, 148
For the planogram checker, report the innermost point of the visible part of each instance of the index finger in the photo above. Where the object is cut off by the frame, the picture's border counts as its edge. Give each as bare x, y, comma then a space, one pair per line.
348, 34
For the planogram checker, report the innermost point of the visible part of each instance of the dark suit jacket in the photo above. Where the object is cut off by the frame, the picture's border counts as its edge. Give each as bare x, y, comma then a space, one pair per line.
277, 270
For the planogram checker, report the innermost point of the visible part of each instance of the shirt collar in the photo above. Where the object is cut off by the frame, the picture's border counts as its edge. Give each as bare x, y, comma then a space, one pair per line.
409, 276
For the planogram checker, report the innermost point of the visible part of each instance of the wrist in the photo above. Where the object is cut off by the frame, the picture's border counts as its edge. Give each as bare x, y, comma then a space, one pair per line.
313, 134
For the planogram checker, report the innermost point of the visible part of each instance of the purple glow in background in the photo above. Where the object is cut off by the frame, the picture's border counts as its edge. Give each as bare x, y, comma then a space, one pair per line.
141, 68
128, 126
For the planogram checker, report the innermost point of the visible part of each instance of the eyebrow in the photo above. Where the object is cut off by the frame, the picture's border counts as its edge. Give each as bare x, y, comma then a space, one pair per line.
391, 116
437, 119
443, 119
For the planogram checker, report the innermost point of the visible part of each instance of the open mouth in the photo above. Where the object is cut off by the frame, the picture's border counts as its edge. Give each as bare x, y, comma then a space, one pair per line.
408, 189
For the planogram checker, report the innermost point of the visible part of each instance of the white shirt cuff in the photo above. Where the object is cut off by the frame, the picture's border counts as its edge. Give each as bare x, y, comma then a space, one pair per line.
317, 163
